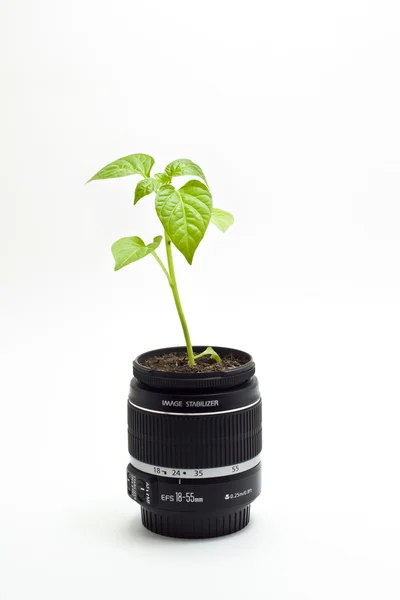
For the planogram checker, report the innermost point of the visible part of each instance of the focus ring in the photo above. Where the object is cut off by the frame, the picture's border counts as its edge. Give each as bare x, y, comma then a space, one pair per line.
196, 526
194, 442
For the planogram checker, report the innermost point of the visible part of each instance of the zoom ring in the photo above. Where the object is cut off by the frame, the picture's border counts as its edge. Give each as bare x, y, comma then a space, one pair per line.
194, 442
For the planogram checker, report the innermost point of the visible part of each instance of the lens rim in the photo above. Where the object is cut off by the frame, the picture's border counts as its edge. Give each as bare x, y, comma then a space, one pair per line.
190, 381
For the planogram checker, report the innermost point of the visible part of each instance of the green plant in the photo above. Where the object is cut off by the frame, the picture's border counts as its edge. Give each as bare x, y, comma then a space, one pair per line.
185, 214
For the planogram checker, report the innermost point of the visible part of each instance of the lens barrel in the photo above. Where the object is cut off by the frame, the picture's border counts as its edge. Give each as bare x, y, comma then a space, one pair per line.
194, 444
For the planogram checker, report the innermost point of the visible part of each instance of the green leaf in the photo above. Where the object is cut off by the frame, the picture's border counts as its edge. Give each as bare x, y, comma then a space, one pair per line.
209, 352
184, 166
162, 178
130, 249
222, 219
135, 164
185, 214
144, 188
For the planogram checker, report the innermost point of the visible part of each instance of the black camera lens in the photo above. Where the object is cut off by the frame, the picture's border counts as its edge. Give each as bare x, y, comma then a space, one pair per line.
194, 445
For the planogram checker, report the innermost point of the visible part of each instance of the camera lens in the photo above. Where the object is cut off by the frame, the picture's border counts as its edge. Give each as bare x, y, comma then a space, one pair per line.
194, 444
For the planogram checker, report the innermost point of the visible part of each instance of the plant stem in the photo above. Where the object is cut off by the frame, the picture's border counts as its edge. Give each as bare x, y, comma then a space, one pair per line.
175, 293
160, 262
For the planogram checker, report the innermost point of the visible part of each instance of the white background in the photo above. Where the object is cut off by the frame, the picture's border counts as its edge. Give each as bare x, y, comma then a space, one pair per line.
292, 110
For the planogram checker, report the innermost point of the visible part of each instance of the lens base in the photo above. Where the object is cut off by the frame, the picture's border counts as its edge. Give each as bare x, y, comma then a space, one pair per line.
196, 526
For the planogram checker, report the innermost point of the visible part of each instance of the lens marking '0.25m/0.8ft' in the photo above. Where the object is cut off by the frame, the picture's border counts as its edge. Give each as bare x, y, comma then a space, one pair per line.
195, 473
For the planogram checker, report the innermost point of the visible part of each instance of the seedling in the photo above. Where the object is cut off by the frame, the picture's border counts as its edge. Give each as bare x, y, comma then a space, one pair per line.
185, 214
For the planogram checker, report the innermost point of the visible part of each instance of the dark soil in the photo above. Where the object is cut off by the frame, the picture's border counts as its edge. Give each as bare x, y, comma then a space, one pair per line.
176, 362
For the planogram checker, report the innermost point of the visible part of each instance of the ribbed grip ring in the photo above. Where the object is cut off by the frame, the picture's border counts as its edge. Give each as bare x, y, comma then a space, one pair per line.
196, 526
194, 442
